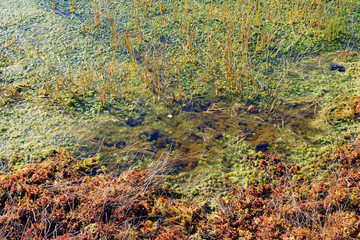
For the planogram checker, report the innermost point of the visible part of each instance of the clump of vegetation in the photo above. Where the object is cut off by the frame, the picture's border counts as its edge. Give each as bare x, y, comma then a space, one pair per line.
56, 200
179, 49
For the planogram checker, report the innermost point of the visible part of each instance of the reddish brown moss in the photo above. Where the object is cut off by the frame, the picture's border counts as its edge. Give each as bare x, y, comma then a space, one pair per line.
52, 200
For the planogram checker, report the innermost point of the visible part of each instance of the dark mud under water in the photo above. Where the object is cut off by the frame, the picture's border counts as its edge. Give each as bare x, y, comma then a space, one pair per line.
197, 133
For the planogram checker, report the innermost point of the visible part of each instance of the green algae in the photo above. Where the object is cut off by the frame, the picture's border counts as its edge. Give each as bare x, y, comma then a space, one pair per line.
79, 89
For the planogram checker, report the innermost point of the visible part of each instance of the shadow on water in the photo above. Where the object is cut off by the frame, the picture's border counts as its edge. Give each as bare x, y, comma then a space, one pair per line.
197, 133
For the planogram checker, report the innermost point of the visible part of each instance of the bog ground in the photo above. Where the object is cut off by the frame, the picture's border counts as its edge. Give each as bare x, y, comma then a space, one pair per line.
179, 119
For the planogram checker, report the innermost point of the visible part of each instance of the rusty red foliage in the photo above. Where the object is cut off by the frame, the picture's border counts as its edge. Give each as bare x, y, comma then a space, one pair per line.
51, 200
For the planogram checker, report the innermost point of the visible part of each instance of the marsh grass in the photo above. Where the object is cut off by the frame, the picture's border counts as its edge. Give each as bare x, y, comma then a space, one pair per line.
185, 48
127, 58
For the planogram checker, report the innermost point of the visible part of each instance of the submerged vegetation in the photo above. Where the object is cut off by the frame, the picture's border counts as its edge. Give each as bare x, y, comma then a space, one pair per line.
179, 119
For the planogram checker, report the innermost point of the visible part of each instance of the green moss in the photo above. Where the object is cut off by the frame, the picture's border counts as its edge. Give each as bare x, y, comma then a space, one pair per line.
86, 165
72, 78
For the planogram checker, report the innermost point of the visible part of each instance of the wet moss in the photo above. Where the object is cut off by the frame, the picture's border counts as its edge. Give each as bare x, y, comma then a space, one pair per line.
128, 92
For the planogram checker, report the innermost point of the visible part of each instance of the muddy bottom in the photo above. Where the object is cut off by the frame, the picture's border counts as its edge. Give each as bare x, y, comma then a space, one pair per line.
198, 133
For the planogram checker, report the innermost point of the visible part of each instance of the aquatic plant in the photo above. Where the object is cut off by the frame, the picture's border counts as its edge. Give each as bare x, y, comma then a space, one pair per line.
183, 48
57, 200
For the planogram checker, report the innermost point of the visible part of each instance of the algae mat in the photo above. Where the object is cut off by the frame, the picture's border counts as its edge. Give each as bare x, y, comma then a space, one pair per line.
43, 47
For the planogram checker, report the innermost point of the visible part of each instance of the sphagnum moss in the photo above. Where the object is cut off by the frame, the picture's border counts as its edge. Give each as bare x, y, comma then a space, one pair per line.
238, 78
